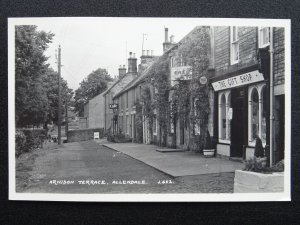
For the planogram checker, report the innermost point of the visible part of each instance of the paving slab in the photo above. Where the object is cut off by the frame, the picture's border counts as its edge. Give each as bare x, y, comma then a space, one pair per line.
176, 163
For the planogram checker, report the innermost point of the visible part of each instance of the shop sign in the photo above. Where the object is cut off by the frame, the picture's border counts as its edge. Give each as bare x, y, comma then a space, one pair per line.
181, 73
240, 80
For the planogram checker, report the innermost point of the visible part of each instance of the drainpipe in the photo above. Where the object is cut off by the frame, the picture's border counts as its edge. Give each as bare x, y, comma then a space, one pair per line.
271, 99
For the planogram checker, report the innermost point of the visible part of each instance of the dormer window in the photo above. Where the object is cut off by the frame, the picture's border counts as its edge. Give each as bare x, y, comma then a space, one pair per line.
263, 37
234, 45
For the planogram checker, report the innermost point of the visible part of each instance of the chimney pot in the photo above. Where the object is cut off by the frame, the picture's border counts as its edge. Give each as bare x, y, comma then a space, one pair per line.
152, 52
143, 52
133, 55
130, 54
147, 52
123, 66
172, 38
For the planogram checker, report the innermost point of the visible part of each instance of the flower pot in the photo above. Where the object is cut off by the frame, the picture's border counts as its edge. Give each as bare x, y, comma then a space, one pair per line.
209, 152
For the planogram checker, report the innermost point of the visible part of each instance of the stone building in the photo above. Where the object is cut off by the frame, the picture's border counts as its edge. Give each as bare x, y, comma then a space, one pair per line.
241, 81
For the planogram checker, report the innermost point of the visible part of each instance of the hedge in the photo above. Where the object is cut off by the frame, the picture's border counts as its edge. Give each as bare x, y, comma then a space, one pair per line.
28, 139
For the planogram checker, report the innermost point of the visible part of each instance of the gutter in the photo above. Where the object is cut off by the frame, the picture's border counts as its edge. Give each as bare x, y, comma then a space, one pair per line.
271, 98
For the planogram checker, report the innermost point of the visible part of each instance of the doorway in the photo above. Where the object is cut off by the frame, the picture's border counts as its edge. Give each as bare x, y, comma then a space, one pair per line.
238, 122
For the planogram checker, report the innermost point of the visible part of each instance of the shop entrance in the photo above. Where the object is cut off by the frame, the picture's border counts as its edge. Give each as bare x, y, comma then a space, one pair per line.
239, 121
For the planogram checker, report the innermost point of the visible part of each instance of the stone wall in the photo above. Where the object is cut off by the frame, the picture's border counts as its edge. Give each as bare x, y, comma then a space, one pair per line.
84, 134
247, 37
222, 48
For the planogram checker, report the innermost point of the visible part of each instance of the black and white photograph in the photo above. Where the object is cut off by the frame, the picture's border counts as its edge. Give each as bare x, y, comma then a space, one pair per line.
149, 109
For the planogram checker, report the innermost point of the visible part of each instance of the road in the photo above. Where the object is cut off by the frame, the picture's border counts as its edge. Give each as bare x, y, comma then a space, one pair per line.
87, 167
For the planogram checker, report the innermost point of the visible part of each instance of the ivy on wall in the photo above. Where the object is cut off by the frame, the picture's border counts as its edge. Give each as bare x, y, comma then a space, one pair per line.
156, 90
195, 50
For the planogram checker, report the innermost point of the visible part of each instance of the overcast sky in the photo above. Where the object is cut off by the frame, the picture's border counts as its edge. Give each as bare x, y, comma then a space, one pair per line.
90, 43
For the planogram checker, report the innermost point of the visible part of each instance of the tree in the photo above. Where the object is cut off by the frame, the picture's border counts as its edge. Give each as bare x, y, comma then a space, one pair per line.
94, 84
50, 81
36, 83
30, 66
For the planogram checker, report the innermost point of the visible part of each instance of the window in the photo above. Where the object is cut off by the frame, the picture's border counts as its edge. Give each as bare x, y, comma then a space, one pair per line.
263, 37
172, 62
154, 125
254, 119
182, 61
257, 111
127, 125
234, 45
225, 112
172, 117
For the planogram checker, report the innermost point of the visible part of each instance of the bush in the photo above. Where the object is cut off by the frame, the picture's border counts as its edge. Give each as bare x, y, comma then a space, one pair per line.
118, 138
259, 165
20, 142
259, 149
27, 139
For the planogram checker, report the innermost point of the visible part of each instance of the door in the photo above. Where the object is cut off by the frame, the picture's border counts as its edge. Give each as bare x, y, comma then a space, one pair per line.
238, 122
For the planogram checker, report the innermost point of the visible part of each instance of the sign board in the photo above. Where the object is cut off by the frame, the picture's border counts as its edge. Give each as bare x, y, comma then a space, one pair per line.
113, 106
181, 73
229, 114
203, 80
240, 80
96, 135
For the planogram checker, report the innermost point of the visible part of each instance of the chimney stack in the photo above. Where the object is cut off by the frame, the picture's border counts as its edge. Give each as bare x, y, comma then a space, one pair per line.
122, 71
167, 43
132, 63
166, 35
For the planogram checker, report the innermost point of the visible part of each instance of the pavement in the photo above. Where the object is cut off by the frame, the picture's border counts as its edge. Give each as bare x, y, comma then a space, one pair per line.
174, 164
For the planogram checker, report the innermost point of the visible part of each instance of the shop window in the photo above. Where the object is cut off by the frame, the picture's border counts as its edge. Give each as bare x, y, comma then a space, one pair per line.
264, 116
223, 118
225, 114
234, 45
257, 111
254, 120
263, 37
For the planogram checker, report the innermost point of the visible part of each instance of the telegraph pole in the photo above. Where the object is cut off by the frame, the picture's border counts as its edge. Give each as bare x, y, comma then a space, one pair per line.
59, 95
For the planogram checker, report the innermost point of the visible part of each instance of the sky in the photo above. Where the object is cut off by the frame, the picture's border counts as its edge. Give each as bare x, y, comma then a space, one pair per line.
89, 43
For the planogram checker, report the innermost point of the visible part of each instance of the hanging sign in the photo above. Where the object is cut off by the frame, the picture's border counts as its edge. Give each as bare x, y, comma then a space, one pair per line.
113, 106
240, 80
180, 73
